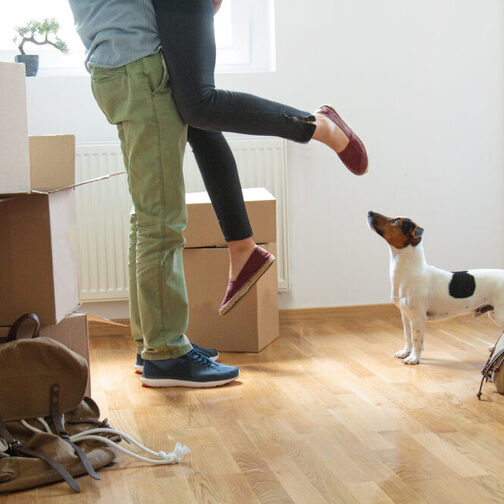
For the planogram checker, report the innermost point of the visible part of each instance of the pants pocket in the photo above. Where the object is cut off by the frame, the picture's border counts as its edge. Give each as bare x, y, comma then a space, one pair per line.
164, 77
108, 87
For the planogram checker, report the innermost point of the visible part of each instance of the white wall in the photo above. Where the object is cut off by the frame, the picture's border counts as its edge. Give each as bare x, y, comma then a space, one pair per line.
421, 82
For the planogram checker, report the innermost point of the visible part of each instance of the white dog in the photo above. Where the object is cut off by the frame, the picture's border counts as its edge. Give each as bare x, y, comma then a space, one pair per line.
425, 293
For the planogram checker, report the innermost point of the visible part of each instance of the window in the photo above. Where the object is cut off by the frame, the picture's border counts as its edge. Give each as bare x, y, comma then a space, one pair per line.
244, 36
50, 58
249, 43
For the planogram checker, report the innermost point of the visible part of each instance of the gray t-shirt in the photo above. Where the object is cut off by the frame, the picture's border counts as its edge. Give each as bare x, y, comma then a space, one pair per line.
116, 32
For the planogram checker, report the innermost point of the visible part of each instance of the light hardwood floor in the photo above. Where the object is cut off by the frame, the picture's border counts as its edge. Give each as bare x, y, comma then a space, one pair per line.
325, 414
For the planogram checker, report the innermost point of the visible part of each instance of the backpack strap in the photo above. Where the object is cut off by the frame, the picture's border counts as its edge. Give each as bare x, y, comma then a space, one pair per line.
60, 431
94, 421
12, 335
493, 363
17, 448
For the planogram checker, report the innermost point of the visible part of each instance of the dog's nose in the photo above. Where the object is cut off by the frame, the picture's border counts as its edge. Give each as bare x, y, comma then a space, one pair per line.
370, 213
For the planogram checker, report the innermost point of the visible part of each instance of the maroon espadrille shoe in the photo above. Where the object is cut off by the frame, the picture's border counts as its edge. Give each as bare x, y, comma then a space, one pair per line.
354, 155
255, 267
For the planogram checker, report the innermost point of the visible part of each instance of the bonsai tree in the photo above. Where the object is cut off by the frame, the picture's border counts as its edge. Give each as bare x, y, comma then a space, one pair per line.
38, 32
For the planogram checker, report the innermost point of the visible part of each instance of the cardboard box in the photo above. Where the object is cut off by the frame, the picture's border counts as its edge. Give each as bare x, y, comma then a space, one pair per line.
38, 256
14, 160
203, 228
72, 332
251, 325
52, 162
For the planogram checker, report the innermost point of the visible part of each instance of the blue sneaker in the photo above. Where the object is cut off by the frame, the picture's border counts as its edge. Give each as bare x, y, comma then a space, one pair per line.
139, 364
211, 353
190, 370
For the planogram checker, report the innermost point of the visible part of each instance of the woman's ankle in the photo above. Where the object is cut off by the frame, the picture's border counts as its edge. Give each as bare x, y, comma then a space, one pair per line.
239, 252
241, 246
328, 133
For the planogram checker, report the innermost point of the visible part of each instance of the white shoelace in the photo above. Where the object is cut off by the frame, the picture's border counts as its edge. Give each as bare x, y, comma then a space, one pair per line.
162, 457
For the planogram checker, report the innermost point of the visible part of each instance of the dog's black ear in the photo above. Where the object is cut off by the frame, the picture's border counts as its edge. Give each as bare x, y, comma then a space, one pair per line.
416, 236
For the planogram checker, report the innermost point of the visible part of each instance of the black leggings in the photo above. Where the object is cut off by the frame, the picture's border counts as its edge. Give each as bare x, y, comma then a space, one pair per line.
186, 29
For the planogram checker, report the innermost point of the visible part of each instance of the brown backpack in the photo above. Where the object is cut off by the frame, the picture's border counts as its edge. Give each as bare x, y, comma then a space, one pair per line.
42, 405
48, 430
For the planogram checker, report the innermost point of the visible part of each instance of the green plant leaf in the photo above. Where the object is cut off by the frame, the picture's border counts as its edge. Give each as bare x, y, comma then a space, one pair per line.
38, 33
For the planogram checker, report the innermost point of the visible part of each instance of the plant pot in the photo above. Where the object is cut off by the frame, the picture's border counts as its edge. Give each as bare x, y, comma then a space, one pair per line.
31, 62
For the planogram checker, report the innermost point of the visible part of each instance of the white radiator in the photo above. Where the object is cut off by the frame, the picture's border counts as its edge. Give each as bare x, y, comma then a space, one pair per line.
103, 208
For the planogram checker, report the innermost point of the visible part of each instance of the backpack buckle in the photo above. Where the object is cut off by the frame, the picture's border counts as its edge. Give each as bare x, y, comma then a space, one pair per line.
14, 444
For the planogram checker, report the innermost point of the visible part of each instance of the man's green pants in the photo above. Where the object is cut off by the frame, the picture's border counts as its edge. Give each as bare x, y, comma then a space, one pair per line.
138, 99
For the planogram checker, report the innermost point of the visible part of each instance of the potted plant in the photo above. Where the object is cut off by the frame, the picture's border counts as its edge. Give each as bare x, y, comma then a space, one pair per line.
37, 32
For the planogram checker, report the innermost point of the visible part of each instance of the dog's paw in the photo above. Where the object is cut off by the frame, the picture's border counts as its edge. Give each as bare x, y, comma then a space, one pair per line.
402, 353
412, 360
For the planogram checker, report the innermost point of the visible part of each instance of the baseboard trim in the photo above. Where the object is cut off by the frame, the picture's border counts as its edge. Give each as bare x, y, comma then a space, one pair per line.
376, 311
341, 312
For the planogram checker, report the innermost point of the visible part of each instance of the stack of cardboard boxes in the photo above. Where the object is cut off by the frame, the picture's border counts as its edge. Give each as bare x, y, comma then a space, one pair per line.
253, 322
38, 239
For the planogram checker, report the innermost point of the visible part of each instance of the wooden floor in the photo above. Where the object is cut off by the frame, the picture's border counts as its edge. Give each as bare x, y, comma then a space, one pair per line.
324, 414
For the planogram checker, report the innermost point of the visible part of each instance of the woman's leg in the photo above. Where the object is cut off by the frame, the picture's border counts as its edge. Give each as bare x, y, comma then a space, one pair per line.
220, 175
186, 29
187, 34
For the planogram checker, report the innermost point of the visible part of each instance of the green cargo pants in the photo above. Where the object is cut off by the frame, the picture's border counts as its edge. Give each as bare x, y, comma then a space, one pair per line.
138, 99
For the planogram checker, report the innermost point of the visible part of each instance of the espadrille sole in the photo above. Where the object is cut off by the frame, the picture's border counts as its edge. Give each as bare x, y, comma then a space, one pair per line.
247, 286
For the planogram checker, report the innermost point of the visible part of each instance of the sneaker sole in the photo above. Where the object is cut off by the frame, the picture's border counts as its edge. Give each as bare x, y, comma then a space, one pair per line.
171, 382
139, 369
247, 286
